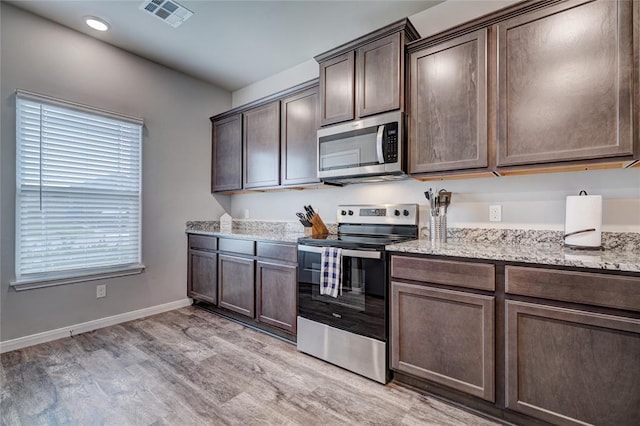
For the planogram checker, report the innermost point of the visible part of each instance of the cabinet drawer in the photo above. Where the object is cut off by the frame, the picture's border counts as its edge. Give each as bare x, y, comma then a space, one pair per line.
202, 242
610, 291
459, 274
237, 246
284, 252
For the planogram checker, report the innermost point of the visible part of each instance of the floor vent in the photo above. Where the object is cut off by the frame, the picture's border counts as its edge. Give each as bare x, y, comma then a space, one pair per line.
168, 11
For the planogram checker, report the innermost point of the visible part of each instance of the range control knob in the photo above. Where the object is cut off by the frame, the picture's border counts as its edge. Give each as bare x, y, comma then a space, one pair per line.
396, 212
405, 212
343, 213
350, 212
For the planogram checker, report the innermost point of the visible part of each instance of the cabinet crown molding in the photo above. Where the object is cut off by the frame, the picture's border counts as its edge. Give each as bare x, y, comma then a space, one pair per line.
403, 25
258, 102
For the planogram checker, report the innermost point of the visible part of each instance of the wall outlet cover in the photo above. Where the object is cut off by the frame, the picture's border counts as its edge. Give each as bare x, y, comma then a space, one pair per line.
101, 290
495, 213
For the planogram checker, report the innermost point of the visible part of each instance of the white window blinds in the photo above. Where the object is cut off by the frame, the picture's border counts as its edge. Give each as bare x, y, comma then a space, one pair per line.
78, 190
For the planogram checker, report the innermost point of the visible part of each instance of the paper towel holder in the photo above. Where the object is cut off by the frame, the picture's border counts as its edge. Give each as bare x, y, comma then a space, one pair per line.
582, 231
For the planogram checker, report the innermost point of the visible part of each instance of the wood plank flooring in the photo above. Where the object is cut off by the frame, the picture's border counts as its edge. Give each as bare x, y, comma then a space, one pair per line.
191, 367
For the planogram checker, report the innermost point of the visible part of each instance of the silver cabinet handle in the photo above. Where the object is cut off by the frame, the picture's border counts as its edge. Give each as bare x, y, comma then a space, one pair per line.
362, 254
379, 140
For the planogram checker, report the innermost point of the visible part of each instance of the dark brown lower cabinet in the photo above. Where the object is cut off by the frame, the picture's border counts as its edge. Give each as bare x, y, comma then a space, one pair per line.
276, 295
236, 285
202, 276
202, 268
572, 367
444, 336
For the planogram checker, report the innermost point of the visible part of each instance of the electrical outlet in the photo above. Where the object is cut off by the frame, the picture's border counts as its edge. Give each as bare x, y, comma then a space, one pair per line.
101, 291
495, 213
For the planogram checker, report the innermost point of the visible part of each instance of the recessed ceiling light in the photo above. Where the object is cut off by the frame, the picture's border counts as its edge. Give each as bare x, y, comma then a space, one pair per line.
96, 23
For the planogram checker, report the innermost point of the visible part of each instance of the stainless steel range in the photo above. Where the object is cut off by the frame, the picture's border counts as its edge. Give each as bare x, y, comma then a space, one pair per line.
350, 330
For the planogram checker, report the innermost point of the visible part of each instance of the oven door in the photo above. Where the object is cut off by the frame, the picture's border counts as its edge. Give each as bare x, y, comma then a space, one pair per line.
360, 307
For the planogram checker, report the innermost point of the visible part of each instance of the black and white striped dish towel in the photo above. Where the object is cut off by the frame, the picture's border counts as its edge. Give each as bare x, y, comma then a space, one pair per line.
331, 271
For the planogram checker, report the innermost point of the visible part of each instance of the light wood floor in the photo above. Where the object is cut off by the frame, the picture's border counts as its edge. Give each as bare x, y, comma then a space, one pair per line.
190, 367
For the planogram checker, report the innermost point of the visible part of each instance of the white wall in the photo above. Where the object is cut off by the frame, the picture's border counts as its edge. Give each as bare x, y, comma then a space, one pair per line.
41, 56
428, 22
529, 202
534, 201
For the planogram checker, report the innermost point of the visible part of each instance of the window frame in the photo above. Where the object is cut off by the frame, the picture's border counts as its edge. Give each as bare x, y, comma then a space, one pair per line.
79, 274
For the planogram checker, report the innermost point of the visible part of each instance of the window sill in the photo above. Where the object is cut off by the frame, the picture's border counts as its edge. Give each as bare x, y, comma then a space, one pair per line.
48, 280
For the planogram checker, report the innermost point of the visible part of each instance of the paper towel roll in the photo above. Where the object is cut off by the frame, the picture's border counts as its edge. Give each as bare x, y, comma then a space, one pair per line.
583, 212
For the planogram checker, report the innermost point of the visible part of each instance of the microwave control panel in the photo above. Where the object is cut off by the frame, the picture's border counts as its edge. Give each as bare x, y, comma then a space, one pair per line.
391, 143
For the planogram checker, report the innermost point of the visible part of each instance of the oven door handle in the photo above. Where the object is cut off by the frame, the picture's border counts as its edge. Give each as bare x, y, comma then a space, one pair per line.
362, 254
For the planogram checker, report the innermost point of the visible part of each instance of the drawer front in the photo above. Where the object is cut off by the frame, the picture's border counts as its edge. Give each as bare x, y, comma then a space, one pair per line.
459, 274
609, 291
231, 245
283, 252
202, 242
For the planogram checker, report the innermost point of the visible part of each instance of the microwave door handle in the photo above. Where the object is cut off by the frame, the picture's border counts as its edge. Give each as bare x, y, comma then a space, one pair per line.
379, 142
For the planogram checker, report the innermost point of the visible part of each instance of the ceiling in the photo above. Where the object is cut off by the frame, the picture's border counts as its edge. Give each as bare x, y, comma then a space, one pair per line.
231, 44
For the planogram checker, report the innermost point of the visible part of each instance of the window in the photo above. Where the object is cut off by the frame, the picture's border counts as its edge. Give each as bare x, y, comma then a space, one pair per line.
78, 191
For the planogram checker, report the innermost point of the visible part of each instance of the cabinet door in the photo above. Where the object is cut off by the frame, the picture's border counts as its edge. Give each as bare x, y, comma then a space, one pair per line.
236, 289
444, 336
565, 87
261, 139
448, 114
572, 367
379, 76
276, 295
226, 161
299, 143
337, 95
202, 276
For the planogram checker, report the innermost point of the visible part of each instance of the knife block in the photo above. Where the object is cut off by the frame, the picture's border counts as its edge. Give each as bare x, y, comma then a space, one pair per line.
318, 226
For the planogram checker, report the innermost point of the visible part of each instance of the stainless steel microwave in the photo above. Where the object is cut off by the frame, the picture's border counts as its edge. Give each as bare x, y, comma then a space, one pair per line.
367, 148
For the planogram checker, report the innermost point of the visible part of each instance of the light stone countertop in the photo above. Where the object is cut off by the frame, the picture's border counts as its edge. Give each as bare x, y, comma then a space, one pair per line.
544, 254
621, 253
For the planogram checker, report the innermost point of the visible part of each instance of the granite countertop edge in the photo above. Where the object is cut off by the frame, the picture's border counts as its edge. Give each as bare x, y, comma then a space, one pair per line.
282, 237
542, 254
539, 254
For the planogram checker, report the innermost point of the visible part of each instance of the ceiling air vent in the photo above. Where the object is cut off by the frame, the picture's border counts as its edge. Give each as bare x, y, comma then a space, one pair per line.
167, 10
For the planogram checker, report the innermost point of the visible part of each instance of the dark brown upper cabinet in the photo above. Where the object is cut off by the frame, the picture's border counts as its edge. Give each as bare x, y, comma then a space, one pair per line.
448, 105
268, 143
337, 79
379, 76
226, 154
298, 142
261, 144
565, 83
378, 84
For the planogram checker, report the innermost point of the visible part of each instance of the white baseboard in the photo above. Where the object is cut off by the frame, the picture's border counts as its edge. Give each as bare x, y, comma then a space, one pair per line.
72, 330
